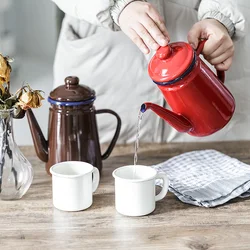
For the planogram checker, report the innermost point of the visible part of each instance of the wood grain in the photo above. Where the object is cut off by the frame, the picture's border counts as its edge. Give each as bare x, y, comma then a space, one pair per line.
33, 222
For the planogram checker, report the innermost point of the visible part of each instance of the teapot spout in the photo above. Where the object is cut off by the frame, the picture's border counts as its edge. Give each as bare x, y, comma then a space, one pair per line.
179, 122
41, 145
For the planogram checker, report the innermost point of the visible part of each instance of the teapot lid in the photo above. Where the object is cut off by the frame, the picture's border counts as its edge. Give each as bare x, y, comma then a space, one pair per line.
170, 62
72, 93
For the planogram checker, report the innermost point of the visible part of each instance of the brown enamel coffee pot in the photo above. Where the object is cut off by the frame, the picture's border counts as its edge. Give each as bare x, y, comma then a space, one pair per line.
72, 132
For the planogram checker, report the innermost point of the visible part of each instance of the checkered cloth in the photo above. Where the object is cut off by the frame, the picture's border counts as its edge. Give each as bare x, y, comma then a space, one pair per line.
206, 178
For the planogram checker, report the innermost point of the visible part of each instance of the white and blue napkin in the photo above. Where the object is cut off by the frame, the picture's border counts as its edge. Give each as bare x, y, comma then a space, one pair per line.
206, 178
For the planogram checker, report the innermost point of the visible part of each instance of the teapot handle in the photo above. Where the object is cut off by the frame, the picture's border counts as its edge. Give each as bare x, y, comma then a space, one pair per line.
117, 131
220, 74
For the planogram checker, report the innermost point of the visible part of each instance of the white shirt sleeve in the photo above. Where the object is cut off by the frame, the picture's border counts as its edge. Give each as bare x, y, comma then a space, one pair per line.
93, 11
226, 12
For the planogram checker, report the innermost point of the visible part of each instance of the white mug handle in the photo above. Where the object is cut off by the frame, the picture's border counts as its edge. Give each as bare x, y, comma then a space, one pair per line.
96, 179
164, 189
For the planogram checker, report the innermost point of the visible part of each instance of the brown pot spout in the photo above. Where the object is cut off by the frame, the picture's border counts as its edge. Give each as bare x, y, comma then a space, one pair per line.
41, 145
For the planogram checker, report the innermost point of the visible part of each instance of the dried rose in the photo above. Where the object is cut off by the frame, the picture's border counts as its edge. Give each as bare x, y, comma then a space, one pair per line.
5, 70
30, 99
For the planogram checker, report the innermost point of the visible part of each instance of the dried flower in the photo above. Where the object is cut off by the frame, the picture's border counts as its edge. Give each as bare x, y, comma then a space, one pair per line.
25, 98
28, 98
5, 70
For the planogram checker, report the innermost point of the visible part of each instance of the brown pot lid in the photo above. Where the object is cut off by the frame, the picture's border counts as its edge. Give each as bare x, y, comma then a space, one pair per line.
72, 92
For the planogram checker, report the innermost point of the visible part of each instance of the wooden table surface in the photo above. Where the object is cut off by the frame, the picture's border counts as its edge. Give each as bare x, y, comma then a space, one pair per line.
33, 222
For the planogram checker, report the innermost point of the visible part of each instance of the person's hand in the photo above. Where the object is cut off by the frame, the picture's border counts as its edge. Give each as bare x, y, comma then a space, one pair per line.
219, 48
142, 23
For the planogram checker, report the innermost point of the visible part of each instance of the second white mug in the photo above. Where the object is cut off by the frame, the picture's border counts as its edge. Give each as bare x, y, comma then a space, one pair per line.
135, 189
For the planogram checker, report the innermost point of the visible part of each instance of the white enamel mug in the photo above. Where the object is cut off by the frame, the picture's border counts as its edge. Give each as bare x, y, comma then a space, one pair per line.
73, 185
135, 189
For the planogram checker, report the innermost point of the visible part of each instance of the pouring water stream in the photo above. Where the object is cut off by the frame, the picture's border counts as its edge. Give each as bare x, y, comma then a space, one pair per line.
140, 115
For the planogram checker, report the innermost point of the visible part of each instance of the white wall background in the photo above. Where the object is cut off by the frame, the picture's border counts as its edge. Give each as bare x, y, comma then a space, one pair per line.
33, 25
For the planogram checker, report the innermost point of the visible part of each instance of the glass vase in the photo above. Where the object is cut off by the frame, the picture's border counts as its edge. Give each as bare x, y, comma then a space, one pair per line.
16, 173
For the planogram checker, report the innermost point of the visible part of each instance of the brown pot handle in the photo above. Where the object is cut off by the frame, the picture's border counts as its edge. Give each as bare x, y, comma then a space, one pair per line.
117, 131
220, 74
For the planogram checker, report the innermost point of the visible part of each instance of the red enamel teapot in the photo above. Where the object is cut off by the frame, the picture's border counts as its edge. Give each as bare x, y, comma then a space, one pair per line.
200, 102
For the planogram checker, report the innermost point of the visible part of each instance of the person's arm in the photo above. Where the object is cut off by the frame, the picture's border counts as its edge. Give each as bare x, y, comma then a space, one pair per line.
93, 11
220, 21
141, 22
118, 7
226, 12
